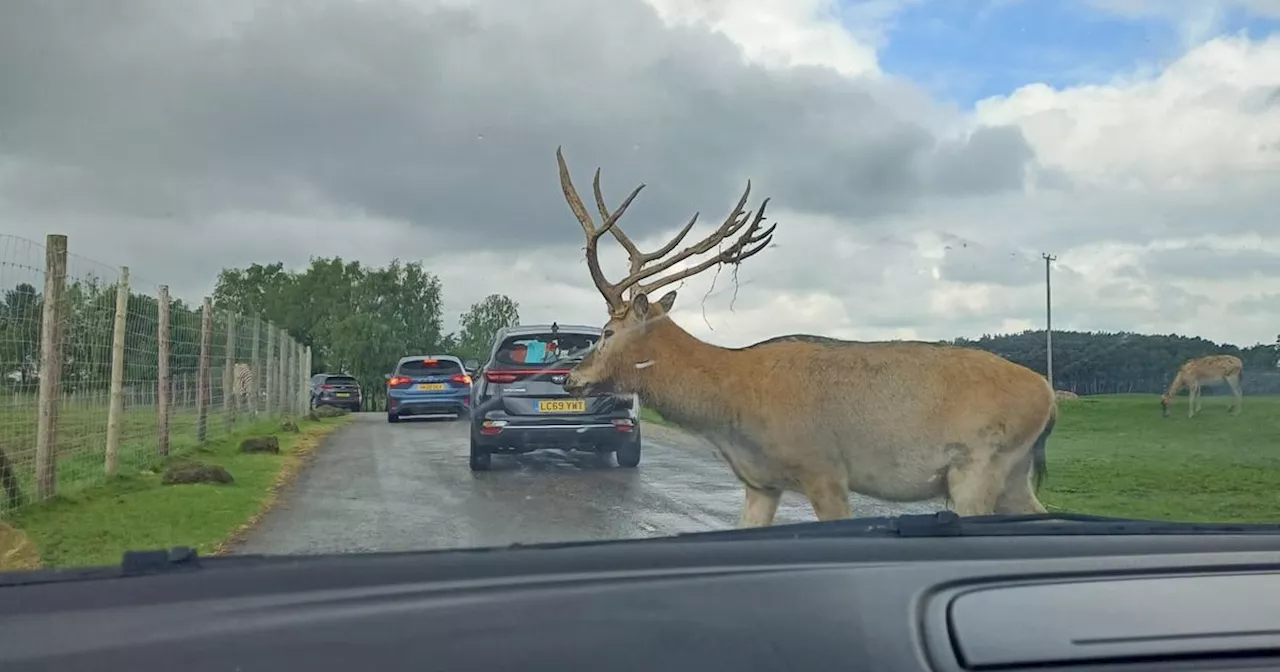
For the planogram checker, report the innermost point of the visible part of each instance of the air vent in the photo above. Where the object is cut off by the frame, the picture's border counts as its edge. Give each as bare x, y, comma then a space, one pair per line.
1116, 620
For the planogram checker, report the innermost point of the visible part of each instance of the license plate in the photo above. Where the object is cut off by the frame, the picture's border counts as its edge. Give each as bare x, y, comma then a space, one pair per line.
431, 387
562, 406
342, 395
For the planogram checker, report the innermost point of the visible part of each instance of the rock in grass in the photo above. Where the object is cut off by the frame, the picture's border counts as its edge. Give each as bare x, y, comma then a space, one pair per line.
195, 472
289, 426
260, 444
329, 411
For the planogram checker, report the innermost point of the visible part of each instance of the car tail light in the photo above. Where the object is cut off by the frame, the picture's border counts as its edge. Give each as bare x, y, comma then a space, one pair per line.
501, 376
461, 379
624, 424
326, 386
397, 381
492, 426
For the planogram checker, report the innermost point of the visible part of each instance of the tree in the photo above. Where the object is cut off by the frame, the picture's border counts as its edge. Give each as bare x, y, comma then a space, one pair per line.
482, 322
357, 319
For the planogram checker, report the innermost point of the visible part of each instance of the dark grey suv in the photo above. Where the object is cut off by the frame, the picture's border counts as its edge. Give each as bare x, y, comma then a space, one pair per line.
519, 403
336, 389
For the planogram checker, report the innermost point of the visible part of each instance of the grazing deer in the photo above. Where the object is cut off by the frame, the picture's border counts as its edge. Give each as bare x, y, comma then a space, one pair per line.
1208, 370
901, 421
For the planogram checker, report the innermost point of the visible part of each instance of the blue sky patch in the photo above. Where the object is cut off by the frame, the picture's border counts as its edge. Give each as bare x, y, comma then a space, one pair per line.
966, 50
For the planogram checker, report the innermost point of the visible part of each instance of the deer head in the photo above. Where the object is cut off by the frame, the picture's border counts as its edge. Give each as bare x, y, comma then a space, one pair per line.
625, 347
1165, 400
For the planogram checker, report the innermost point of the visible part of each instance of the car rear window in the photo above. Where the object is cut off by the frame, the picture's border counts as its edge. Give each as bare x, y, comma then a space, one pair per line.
540, 349
429, 367
341, 380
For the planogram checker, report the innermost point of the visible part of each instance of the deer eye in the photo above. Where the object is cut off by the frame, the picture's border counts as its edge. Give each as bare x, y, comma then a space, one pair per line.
608, 333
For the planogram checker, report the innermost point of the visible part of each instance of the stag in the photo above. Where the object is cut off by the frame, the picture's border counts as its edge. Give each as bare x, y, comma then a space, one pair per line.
900, 421
1208, 370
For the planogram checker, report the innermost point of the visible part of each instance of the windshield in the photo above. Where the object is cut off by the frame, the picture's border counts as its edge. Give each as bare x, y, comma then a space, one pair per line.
889, 257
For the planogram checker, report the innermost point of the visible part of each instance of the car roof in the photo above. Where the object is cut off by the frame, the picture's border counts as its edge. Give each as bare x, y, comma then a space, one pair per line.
410, 358
544, 328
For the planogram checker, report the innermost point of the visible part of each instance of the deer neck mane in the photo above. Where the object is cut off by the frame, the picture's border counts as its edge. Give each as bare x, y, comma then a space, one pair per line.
682, 378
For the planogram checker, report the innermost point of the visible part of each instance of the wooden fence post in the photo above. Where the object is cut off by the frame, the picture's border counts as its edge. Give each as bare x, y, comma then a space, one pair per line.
52, 316
269, 369
163, 378
204, 382
304, 389
283, 385
229, 373
116, 404
255, 367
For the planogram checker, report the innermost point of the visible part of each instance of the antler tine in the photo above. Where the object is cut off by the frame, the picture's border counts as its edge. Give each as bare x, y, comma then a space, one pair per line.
749, 244
637, 258
612, 292
732, 224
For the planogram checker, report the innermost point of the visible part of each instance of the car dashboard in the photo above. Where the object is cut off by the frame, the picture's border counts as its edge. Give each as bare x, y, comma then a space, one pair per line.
698, 603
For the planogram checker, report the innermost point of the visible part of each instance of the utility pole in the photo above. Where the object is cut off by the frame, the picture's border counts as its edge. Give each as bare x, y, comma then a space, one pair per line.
1048, 319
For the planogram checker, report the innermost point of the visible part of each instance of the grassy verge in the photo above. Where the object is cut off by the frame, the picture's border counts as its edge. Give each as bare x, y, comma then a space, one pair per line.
650, 415
1115, 455
132, 510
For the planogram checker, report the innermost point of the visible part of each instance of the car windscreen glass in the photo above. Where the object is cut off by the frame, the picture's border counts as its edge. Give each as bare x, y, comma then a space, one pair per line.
429, 367
341, 380
541, 349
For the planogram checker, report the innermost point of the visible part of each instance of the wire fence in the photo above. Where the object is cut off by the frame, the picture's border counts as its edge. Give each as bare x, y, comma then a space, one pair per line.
103, 372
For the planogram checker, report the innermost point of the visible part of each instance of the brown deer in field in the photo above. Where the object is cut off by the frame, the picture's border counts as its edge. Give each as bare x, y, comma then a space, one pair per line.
901, 421
1208, 370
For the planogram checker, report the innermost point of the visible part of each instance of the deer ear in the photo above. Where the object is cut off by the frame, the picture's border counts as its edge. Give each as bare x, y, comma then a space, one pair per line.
640, 305
667, 300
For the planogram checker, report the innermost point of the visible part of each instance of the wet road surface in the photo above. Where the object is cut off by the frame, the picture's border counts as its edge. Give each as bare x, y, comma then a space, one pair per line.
375, 486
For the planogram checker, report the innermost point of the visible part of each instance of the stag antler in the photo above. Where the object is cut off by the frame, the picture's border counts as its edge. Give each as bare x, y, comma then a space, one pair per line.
750, 243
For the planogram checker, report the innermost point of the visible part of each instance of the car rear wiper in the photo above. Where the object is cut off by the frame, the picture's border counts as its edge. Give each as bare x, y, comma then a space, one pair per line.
949, 524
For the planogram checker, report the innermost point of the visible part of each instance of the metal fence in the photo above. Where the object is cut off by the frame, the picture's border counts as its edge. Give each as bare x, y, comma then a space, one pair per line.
103, 371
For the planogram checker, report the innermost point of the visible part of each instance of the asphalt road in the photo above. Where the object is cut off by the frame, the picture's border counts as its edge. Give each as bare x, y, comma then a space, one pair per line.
376, 486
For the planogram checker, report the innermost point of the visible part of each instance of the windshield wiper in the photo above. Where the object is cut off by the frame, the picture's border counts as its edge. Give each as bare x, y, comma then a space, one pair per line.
949, 524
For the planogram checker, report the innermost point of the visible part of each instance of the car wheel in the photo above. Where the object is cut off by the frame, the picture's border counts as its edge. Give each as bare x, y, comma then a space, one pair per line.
481, 459
628, 454
392, 418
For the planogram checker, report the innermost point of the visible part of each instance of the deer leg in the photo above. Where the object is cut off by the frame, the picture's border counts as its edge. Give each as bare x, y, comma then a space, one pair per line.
1193, 400
1019, 495
760, 507
829, 497
1234, 383
974, 485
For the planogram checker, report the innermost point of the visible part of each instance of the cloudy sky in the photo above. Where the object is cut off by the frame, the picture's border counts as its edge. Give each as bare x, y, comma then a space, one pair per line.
920, 154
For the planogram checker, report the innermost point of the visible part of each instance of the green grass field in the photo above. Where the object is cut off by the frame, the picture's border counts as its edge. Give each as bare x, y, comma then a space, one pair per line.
81, 440
1115, 455
95, 525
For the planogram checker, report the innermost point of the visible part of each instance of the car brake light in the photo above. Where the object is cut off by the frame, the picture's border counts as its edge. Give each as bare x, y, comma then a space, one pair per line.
397, 381
430, 362
461, 379
623, 424
500, 377
326, 387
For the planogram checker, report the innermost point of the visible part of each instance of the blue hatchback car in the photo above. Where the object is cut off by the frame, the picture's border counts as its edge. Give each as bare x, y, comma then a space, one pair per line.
429, 385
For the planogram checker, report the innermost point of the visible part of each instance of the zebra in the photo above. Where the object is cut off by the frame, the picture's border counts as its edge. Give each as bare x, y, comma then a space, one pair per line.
242, 387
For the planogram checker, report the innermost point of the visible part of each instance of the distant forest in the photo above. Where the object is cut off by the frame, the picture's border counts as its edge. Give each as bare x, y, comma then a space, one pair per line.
1087, 362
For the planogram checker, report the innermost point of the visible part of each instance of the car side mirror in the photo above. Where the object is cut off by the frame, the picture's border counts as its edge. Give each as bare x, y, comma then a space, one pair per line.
471, 365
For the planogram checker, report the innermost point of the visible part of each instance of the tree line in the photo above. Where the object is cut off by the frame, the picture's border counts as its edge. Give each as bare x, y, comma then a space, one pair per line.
360, 319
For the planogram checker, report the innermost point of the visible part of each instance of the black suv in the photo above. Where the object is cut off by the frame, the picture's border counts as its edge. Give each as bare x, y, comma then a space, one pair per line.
336, 389
520, 404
